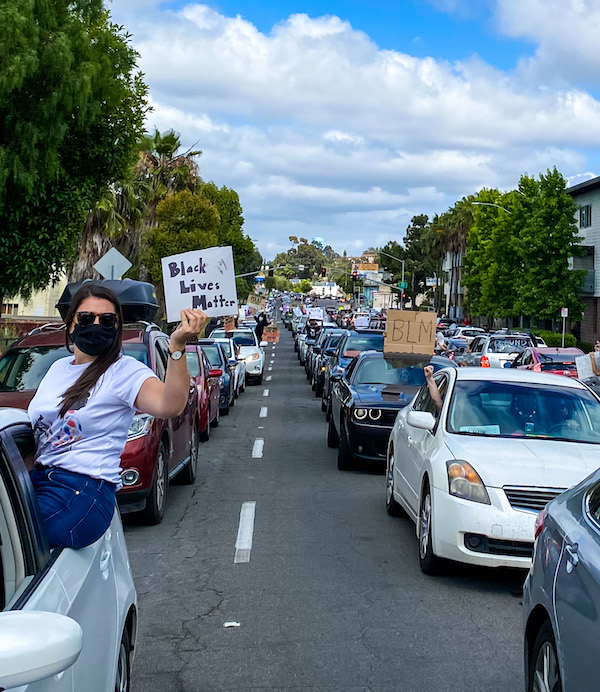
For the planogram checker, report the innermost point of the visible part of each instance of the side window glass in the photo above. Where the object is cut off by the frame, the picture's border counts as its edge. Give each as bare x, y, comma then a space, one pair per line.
423, 399
476, 345
193, 363
518, 360
527, 358
160, 357
594, 504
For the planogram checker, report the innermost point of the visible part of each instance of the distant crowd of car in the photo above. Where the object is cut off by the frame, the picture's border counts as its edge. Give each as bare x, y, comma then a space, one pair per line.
504, 473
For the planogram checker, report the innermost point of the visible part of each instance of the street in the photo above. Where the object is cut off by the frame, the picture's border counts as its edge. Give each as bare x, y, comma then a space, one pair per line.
331, 596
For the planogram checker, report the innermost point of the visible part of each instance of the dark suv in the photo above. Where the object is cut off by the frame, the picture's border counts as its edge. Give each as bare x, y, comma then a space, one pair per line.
156, 451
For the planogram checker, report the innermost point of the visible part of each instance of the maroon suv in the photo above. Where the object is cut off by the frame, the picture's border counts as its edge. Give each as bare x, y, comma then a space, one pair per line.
156, 451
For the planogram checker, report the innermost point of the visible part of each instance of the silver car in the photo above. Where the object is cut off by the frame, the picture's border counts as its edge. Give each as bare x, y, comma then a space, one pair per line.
561, 596
496, 350
68, 618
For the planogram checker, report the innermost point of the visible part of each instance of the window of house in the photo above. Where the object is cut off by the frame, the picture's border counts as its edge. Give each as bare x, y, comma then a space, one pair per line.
585, 216
10, 308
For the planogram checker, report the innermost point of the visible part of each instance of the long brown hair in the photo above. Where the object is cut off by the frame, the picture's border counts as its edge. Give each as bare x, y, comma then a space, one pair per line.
90, 376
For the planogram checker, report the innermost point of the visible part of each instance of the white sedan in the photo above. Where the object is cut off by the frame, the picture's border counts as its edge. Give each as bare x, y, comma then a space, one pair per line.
474, 475
251, 351
68, 618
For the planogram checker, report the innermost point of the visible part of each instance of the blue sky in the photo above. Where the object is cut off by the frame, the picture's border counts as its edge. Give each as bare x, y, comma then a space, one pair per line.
345, 119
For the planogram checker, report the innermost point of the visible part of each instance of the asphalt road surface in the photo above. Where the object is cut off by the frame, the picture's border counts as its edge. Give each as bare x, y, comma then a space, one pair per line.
324, 585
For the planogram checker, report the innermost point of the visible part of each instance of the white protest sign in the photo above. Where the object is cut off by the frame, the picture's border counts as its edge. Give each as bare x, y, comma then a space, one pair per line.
202, 279
361, 321
584, 367
315, 313
297, 312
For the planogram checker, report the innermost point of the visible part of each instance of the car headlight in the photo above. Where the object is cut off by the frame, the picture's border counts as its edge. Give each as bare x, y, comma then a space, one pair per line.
375, 414
252, 357
464, 482
360, 413
140, 426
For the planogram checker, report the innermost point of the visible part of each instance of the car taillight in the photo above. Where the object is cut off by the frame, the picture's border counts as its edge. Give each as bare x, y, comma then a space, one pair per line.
539, 523
537, 367
484, 362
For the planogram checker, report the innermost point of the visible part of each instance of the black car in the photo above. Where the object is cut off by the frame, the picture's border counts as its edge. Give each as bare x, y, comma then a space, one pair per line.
365, 400
315, 348
350, 345
321, 354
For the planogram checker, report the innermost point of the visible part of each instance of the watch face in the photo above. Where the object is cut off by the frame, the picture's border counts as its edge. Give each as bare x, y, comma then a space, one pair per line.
176, 355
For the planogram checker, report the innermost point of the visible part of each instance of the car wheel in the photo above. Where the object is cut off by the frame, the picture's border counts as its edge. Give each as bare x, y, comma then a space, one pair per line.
154, 511
225, 410
393, 508
215, 422
243, 385
544, 671
429, 562
205, 434
333, 439
187, 475
323, 405
232, 400
345, 457
123, 674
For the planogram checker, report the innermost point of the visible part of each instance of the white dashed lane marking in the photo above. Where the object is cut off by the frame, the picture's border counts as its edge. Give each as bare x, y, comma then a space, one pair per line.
257, 448
263, 412
243, 544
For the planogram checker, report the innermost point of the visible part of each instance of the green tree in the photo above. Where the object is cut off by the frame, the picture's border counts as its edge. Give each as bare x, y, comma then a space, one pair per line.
72, 107
185, 222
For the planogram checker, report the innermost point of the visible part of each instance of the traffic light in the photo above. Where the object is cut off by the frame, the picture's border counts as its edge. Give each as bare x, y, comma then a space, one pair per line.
354, 275
403, 296
323, 272
271, 270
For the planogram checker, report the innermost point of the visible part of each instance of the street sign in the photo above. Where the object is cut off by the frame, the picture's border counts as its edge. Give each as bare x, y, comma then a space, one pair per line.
564, 312
402, 284
112, 265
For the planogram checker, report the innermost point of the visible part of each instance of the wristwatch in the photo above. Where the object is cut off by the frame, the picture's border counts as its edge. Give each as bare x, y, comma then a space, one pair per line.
175, 355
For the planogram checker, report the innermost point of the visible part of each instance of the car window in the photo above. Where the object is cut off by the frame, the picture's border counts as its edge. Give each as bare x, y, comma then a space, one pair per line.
363, 342
213, 354
518, 360
193, 363
424, 402
160, 359
23, 368
503, 346
332, 342
137, 351
391, 371
476, 345
520, 409
593, 503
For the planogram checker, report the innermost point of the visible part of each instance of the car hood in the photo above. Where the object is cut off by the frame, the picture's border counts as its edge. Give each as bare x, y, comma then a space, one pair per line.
17, 399
385, 394
510, 461
246, 351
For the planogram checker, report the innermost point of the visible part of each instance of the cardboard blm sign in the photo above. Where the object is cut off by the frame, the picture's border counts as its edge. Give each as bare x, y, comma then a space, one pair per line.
410, 332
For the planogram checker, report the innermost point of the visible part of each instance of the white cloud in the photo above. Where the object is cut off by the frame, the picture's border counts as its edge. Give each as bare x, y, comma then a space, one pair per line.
323, 133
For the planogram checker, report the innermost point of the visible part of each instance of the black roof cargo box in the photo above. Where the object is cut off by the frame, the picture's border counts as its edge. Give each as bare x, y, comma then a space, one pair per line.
137, 298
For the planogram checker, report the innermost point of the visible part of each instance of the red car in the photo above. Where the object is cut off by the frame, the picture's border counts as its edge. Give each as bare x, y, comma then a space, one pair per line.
156, 451
208, 388
558, 361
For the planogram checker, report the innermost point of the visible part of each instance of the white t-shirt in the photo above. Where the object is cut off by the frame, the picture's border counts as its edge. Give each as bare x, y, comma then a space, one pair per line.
91, 437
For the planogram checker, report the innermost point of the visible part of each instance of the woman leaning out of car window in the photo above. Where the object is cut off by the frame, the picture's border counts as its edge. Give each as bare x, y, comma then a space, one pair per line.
82, 411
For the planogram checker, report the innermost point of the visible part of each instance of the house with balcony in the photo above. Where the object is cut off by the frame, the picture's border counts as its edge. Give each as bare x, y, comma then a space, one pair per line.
587, 217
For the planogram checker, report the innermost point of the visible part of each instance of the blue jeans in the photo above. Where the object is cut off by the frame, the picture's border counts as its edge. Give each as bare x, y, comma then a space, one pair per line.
76, 509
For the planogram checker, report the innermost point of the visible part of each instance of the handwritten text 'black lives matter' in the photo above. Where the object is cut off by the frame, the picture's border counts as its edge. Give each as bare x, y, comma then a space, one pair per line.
201, 297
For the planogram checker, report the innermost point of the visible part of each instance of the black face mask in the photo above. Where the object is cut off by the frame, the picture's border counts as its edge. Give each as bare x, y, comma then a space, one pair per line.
93, 339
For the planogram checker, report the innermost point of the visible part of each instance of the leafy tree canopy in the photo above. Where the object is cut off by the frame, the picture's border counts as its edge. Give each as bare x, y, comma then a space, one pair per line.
72, 107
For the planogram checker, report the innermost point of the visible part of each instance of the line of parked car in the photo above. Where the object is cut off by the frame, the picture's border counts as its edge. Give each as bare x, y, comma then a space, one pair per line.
504, 473
68, 618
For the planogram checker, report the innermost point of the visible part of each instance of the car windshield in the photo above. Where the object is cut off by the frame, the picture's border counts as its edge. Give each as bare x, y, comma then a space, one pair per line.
509, 409
240, 338
22, 369
213, 353
558, 361
392, 371
226, 343
507, 345
332, 342
363, 342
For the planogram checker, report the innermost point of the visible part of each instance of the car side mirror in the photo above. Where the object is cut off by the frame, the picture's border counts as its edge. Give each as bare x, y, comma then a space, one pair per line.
316, 349
27, 656
215, 372
336, 376
330, 352
263, 344
421, 419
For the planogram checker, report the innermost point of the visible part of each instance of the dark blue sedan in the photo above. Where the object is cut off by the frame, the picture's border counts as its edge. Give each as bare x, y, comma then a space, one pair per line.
365, 400
219, 362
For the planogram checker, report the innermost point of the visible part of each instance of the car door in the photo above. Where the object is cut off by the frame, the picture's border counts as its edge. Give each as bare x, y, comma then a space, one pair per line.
420, 443
181, 425
577, 594
78, 583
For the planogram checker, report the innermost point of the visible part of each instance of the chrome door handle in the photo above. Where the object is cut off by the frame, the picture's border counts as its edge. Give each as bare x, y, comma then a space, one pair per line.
104, 560
572, 556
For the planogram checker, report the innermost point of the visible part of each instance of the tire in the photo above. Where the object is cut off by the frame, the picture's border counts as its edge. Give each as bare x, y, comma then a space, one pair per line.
123, 673
154, 511
243, 385
319, 393
232, 401
333, 439
187, 475
215, 423
225, 411
429, 562
204, 436
544, 671
392, 507
345, 458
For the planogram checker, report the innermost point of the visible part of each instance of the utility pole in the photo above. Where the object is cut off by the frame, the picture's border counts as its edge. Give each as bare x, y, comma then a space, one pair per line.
402, 289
